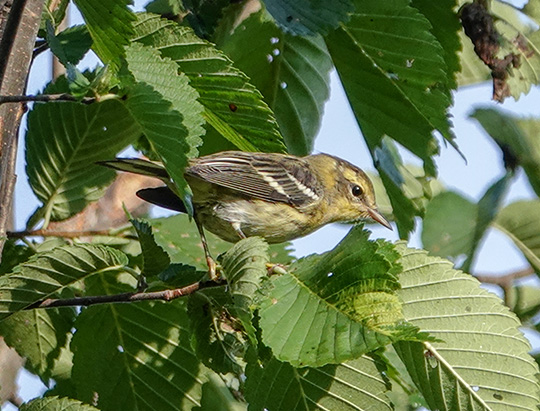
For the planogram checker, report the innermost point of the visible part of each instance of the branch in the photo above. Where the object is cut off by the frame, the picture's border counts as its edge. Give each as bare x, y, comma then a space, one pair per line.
66, 234
16, 44
505, 281
165, 295
46, 98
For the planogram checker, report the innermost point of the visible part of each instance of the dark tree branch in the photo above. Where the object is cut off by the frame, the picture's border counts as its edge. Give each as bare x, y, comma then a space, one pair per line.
165, 295
9, 34
17, 39
46, 98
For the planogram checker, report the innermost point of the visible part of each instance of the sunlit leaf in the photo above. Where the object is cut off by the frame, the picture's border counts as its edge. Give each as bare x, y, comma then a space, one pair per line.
481, 360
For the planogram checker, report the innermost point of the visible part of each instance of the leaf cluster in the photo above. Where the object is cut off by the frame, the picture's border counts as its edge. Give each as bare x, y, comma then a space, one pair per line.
366, 325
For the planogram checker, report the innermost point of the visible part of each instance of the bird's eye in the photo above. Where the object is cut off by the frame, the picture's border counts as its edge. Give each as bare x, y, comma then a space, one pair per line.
357, 191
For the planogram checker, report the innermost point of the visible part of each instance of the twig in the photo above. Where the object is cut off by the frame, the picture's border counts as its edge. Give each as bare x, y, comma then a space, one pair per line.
165, 295
46, 98
65, 234
505, 281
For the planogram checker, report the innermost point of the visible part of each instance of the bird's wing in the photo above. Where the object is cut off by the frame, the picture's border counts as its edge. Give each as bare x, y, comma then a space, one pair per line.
269, 177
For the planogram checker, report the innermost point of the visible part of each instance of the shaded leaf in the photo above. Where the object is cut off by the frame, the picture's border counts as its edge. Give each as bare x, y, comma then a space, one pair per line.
309, 17
63, 142
216, 336
12, 255
488, 207
292, 73
449, 225
520, 221
232, 105
109, 24
38, 336
48, 273
56, 404
518, 136
446, 27
155, 259
275, 385
217, 396
393, 72
477, 335
71, 44
142, 359
336, 306
181, 275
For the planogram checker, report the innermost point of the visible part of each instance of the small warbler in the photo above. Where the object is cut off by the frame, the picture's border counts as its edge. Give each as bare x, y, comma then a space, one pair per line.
275, 196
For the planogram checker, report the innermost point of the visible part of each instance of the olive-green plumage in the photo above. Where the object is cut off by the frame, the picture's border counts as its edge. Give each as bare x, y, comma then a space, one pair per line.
275, 196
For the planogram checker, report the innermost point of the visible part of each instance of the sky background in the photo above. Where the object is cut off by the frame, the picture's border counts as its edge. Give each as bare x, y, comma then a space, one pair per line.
340, 136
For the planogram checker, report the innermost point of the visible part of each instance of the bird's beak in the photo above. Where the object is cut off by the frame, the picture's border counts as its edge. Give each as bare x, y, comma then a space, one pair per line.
374, 214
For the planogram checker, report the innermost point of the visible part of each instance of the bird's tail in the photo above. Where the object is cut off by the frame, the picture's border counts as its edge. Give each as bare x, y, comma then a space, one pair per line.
138, 166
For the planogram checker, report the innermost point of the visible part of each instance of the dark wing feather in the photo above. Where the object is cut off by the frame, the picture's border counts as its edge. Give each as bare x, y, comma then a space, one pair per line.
270, 177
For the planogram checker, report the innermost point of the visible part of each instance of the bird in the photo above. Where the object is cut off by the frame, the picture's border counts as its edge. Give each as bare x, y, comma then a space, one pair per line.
279, 197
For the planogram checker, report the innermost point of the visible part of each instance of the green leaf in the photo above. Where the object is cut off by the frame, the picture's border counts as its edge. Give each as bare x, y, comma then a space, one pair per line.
336, 306
167, 111
63, 142
46, 274
232, 105
54, 12
309, 17
155, 259
217, 396
56, 404
109, 24
292, 73
488, 207
394, 74
38, 336
353, 385
216, 336
449, 226
14, 254
245, 268
402, 188
181, 275
142, 359
481, 360
517, 136
453, 226
148, 67
70, 45
520, 221
446, 27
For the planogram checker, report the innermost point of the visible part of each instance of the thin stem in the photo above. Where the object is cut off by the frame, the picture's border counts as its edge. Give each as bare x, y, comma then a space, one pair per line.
165, 295
46, 98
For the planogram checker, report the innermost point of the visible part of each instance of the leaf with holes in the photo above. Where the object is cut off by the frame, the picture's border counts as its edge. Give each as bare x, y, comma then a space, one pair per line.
481, 360
292, 73
336, 306
142, 357
232, 105
63, 143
